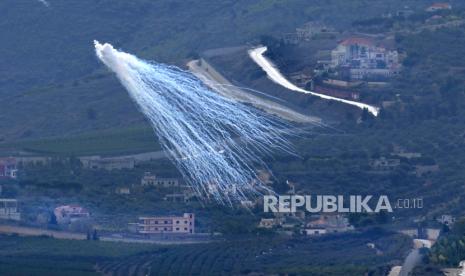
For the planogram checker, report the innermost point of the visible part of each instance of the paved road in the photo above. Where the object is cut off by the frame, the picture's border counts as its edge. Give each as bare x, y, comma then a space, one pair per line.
63, 235
208, 75
412, 260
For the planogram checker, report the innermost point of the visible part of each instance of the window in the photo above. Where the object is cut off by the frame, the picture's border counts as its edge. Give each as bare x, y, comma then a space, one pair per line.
177, 222
166, 222
185, 228
177, 228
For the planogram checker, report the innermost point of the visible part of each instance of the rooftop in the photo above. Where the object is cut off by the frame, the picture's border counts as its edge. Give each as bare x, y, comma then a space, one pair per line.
358, 41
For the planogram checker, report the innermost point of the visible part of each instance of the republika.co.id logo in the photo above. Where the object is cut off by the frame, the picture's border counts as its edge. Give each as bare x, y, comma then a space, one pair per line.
336, 204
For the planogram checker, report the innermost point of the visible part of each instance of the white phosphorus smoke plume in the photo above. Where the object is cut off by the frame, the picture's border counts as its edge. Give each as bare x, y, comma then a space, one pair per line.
215, 142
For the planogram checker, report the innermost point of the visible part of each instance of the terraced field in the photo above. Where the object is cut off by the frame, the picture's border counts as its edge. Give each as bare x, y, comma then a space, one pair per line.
262, 255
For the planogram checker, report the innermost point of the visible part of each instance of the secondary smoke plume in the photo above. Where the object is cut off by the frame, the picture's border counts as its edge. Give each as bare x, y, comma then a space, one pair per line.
215, 142
45, 3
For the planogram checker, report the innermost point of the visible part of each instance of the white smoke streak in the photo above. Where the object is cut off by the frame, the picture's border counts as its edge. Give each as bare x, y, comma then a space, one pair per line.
276, 76
45, 3
215, 142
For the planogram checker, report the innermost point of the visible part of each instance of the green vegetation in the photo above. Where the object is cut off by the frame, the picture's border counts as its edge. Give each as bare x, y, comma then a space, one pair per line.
242, 255
57, 100
53, 85
450, 249
107, 142
47, 256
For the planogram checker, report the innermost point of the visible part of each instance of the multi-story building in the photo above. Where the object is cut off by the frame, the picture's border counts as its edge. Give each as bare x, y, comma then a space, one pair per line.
9, 209
150, 179
363, 60
70, 213
166, 224
8, 168
439, 7
110, 163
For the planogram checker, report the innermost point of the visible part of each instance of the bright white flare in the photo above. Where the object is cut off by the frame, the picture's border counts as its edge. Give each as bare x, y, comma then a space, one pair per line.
276, 76
215, 142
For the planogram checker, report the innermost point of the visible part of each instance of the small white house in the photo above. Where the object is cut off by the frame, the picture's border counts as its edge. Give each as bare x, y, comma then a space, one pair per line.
314, 231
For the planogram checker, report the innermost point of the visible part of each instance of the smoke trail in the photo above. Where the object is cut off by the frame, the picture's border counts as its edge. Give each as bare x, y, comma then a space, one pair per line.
215, 142
47, 4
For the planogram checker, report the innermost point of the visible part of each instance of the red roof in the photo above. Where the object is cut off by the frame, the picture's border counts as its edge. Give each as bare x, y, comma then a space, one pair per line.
441, 5
7, 160
357, 41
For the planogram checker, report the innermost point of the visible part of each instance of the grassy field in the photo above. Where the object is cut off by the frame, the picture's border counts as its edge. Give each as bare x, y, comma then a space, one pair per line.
108, 142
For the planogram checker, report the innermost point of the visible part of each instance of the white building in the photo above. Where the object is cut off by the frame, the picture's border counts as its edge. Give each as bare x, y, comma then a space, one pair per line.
315, 231
446, 219
150, 179
184, 224
364, 60
330, 223
270, 222
70, 213
8, 168
9, 209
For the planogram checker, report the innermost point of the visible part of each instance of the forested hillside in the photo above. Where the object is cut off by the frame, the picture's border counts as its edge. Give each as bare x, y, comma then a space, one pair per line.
51, 83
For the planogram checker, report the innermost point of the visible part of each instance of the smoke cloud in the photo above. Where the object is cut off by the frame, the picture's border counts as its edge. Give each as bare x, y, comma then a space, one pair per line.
215, 142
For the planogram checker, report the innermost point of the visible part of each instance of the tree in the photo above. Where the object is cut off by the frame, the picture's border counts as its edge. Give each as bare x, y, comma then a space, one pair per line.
95, 236
53, 219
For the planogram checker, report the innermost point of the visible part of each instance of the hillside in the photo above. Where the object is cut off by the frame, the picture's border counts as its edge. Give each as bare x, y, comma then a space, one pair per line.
51, 82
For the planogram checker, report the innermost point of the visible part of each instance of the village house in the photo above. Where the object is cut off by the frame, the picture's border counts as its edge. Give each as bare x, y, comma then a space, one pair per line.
9, 209
328, 223
264, 176
270, 222
248, 203
401, 152
314, 231
411, 232
439, 7
184, 224
185, 196
405, 12
8, 168
123, 191
361, 59
384, 164
150, 179
307, 32
311, 29
421, 170
109, 163
70, 213
431, 234
446, 220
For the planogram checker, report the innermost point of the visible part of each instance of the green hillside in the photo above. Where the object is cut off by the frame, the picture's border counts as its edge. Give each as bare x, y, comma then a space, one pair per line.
51, 83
